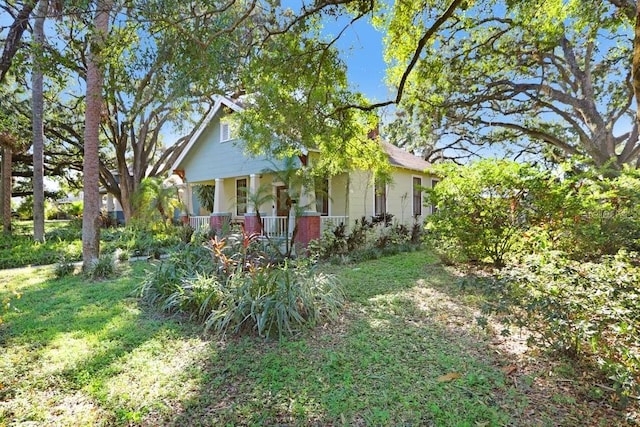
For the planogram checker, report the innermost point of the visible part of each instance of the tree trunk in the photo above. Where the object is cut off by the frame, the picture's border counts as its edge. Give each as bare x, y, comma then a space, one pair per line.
126, 195
6, 190
91, 165
635, 66
37, 122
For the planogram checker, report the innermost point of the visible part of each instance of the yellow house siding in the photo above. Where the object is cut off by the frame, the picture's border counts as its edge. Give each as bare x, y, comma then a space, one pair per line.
360, 195
399, 193
338, 187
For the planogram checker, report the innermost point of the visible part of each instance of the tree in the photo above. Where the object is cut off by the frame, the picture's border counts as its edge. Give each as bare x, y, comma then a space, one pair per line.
6, 142
14, 36
37, 105
93, 115
149, 90
11, 142
556, 75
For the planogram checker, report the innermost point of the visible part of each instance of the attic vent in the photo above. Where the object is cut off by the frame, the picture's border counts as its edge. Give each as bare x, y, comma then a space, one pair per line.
225, 131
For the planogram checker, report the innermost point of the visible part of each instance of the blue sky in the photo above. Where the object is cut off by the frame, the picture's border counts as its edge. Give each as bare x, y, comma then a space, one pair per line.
362, 48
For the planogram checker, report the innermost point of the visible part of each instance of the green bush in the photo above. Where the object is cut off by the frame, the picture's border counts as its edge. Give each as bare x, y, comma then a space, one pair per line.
163, 282
582, 309
64, 268
68, 233
483, 208
601, 214
495, 209
367, 240
233, 285
102, 268
275, 300
140, 241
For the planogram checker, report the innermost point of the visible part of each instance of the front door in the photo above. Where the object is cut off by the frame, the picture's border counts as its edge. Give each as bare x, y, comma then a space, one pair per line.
282, 201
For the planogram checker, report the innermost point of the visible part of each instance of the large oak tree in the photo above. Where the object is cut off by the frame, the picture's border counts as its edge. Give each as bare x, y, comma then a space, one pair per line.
524, 73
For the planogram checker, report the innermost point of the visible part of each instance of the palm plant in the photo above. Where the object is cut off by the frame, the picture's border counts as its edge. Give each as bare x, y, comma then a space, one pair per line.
154, 202
296, 178
205, 195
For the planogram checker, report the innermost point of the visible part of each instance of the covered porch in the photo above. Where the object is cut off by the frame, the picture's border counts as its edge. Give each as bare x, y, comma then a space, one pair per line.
236, 200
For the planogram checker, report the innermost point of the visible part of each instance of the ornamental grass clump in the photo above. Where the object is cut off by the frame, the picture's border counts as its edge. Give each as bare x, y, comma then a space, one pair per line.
278, 300
102, 268
232, 285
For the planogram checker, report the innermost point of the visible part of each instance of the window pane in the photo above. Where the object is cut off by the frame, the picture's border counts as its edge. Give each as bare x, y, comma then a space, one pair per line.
417, 196
322, 196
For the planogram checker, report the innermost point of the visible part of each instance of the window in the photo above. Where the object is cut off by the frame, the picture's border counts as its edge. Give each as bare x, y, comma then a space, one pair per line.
241, 196
322, 196
417, 196
380, 206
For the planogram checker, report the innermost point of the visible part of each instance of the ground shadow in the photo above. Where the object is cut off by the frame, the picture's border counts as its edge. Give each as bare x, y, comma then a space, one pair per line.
386, 362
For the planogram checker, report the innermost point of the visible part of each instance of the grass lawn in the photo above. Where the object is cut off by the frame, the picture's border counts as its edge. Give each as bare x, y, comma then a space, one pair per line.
19, 249
405, 352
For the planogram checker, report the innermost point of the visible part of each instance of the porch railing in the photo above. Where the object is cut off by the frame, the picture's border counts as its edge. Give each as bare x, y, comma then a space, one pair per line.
199, 222
331, 222
275, 226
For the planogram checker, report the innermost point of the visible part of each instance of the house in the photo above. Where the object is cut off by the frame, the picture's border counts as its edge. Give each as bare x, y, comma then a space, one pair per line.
215, 157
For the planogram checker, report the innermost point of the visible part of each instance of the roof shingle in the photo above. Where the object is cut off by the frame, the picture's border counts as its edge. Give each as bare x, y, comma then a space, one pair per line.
399, 157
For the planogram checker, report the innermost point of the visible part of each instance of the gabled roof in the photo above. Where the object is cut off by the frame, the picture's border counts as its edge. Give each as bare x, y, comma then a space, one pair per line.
400, 158
397, 156
221, 102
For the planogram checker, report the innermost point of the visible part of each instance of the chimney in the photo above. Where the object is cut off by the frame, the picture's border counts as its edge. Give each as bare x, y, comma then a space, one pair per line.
375, 132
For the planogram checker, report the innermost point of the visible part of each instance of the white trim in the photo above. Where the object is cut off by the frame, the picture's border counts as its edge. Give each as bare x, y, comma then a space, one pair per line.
220, 102
413, 210
329, 202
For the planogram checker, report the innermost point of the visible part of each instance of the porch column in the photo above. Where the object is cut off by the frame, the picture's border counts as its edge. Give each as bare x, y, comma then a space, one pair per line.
184, 210
251, 224
309, 220
219, 219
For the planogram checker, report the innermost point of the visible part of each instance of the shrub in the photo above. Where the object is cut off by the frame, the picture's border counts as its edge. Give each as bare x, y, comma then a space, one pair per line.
64, 268
68, 233
163, 282
102, 268
484, 207
600, 214
185, 232
141, 242
233, 285
587, 310
357, 238
276, 300
367, 240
